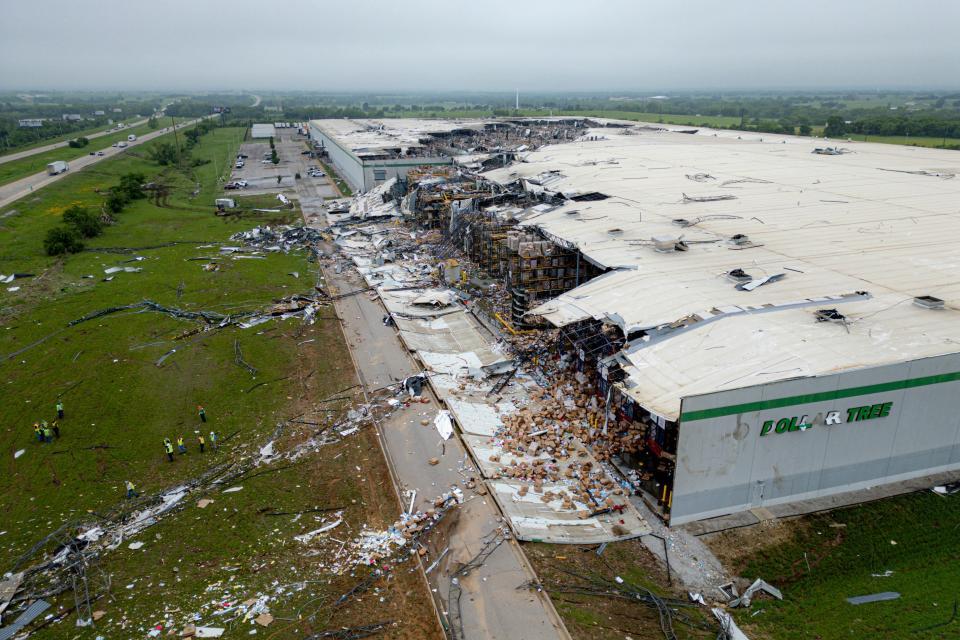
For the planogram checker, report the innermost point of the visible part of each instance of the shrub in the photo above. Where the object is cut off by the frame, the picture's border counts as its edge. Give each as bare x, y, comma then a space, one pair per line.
164, 153
116, 201
61, 240
82, 221
131, 186
78, 143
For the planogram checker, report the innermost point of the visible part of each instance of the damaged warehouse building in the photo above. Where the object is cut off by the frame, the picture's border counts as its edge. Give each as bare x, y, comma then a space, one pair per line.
760, 323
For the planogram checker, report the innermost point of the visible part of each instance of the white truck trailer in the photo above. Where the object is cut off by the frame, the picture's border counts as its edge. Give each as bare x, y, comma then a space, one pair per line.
57, 167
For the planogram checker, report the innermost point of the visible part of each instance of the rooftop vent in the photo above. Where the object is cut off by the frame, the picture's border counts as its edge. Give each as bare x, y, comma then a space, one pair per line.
928, 302
616, 231
739, 275
830, 315
668, 244
740, 239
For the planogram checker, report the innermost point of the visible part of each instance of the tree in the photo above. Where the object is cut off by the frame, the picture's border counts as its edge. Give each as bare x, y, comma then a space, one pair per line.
116, 201
805, 130
131, 185
78, 143
274, 158
164, 153
152, 123
82, 221
61, 240
836, 127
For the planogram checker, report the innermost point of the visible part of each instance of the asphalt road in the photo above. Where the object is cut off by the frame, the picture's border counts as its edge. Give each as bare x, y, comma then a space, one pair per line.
13, 191
56, 145
491, 605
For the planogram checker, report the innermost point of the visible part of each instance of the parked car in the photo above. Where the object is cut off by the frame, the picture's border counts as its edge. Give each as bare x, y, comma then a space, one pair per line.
239, 164
231, 185
240, 183
99, 153
266, 162
242, 156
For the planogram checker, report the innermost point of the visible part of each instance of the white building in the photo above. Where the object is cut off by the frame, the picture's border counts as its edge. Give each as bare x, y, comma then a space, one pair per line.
792, 317
31, 123
261, 130
370, 152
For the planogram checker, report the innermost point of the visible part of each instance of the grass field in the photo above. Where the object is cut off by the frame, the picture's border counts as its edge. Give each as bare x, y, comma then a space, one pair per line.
917, 141
906, 544
564, 568
17, 169
120, 404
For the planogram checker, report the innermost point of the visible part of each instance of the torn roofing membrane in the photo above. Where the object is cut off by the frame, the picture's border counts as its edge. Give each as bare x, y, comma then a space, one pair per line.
807, 228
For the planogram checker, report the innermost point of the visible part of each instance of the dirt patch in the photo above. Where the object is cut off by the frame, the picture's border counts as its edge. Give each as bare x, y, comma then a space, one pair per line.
735, 547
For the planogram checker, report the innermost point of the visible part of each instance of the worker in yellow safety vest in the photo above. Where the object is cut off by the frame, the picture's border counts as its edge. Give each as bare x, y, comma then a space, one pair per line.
132, 490
168, 447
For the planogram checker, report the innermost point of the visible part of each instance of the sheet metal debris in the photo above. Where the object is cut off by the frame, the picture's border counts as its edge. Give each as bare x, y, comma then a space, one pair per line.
25, 618
758, 586
443, 424
276, 239
883, 596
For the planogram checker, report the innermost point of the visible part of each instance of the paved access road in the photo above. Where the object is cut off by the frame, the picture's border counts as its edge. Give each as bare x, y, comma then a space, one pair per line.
493, 603
56, 145
13, 191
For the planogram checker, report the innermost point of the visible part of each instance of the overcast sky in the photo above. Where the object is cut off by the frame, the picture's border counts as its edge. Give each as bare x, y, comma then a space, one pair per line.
493, 45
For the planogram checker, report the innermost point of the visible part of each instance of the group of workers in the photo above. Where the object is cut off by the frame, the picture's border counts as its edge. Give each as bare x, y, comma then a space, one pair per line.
45, 431
182, 448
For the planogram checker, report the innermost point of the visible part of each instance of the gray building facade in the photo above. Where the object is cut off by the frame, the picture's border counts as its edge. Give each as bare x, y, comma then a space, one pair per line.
811, 437
365, 171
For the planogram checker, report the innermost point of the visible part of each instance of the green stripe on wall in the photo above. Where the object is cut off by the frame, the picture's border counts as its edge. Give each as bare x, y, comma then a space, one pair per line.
705, 414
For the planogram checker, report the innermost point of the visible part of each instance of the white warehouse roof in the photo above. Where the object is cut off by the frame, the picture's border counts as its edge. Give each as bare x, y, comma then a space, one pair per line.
881, 219
263, 130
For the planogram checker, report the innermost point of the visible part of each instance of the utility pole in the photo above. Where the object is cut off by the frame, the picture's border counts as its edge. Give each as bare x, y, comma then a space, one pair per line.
176, 140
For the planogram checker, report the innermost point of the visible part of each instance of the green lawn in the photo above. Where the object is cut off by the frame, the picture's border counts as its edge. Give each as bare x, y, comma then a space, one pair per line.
914, 537
120, 404
917, 141
17, 169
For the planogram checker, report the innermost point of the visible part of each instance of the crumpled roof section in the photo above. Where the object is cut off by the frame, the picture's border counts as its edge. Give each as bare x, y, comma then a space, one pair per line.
799, 230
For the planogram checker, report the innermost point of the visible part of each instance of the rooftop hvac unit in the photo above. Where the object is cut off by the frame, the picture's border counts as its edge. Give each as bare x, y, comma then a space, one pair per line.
928, 302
